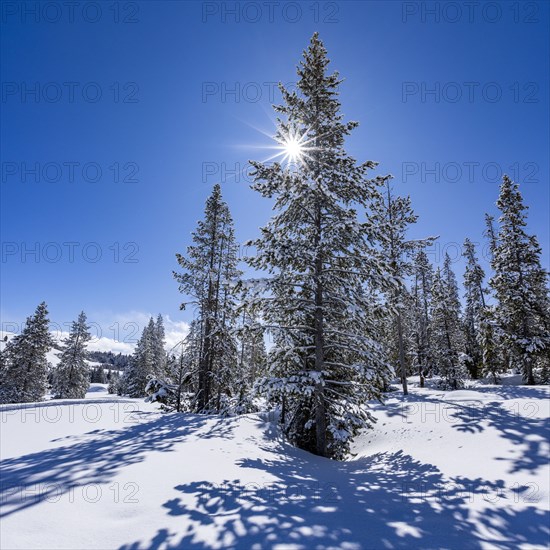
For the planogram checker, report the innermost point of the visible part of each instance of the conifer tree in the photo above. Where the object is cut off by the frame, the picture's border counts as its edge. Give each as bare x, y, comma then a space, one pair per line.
25, 376
318, 256
173, 387
159, 340
142, 364
394, 215
421, 293
114, 383
446, 333
252, 362
490, 233
72, 377
496, 356
493, 360
475, 308
169, 389
3, 373
180, 371
209, 276
2, 366
520, 285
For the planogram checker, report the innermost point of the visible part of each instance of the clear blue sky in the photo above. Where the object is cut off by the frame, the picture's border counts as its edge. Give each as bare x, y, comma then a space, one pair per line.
165, 72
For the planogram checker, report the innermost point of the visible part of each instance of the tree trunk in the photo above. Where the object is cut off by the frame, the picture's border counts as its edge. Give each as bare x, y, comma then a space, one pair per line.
426, 336
529, 372
180, 380
402, 366
202, 397
319, 398
527, 363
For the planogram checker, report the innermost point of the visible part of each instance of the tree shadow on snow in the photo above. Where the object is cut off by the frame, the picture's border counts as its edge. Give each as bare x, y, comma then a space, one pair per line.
385, 501
516, 421
509, 391
95, 457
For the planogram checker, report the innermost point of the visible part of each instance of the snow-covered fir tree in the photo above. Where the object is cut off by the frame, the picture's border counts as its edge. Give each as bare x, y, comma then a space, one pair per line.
490, 233
180, 374
97, 374
2, 366
184, 368
147, 361
25, 376
71, 378
474, 308
394, 215
493, 358
168, 390
520, 285
446, 332
496, 357
421, 294
482, 346
317, 253
114, 383
3, 372
208, 279
142, 364
159, 342
252, 361
175, 387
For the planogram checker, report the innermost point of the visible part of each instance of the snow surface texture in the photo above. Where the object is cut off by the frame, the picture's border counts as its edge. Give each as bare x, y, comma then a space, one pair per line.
460, 470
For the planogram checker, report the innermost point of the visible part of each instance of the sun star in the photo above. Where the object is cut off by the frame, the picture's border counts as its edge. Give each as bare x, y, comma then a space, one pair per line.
294, 147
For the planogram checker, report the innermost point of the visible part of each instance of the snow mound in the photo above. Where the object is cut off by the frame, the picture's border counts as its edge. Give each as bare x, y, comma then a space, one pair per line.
471, 395
511, 380
96, 388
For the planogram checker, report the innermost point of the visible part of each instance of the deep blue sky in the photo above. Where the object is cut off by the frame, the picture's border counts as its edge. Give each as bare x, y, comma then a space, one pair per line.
178, 58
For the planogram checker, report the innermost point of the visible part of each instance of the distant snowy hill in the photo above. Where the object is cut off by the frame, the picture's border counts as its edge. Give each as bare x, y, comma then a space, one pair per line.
53, 359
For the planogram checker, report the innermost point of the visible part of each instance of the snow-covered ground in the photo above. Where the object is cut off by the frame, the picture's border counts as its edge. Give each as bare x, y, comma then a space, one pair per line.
464, 469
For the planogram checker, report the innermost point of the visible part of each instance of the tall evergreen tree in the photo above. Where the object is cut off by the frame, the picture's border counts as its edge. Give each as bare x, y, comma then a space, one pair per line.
446, 333
25, 376
318, 257
421, 292
2, 367
142, 364
394, 215
520, 284
495, 353
421, 341
475, 308
209, 276
71, 377
159, 353
493, 356
490, 233
252, 363
114, 382
172, 388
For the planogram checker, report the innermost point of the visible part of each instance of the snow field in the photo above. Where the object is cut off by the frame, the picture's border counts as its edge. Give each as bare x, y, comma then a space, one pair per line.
464, 469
